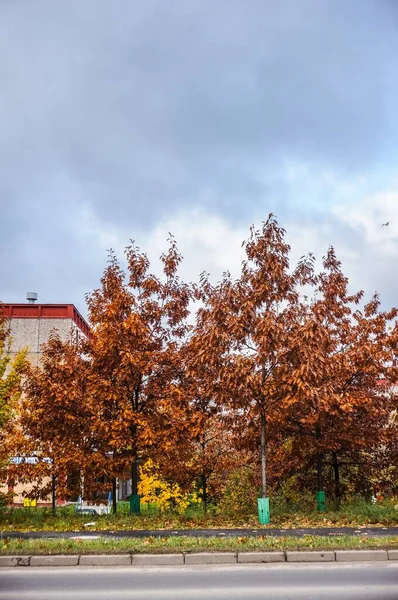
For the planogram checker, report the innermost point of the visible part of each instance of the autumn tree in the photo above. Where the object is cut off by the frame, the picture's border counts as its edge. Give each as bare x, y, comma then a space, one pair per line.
55, 423
243, 333
337, 355
263, 369
213, 457
382, 463
202, 455
11, 372
138, 326
96, 405
155, 490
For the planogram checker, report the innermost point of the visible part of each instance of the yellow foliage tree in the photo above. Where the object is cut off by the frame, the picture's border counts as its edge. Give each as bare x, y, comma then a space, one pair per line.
11, 372
154, 490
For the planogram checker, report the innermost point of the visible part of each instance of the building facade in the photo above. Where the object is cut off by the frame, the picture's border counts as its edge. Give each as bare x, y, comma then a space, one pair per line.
31, 325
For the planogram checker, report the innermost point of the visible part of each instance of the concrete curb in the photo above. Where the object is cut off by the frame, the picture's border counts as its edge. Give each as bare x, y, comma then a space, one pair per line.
157, 559
105, 560
199, 558
15, 561
261, 557
211, 558
60, 560
325, 556
354, 555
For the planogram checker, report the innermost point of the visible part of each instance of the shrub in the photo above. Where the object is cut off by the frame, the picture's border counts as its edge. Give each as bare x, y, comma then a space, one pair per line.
155, 491
240, 494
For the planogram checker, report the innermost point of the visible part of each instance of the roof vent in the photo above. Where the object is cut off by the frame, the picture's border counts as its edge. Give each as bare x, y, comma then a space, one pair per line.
31, 297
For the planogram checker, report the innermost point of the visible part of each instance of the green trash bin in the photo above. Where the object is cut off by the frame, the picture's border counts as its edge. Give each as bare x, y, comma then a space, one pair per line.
134, 504
263, 511
320, 501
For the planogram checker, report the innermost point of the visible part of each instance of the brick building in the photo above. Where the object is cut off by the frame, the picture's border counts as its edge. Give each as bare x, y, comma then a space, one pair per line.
31, 324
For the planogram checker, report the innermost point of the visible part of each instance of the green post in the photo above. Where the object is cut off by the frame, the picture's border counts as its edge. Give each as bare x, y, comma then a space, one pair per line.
135, 504
263, 511
320, 501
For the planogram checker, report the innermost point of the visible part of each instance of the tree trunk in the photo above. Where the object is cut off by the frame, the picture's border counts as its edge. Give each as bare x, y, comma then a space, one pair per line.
319, 468
319, 461
263, 459
337, 486
204, 491
114, 500
53, 493
134, 477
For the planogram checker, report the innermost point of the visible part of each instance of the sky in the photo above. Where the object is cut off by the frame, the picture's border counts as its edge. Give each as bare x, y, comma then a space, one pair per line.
127, 119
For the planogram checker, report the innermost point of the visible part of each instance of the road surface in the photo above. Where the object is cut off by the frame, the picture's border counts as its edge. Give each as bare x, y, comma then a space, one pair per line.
277, 582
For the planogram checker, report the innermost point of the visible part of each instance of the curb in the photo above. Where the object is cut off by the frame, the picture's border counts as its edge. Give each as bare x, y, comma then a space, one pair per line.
157, 559
351, 555
211, 558
199, 558
326, 556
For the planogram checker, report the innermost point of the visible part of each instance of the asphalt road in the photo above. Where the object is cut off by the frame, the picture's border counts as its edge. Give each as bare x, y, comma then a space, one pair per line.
140, 533
277, 582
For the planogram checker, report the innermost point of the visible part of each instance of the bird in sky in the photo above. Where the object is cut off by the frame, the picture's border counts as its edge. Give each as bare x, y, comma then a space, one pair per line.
386, 224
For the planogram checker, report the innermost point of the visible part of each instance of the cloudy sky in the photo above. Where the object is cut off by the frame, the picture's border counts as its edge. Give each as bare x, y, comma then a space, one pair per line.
127, 119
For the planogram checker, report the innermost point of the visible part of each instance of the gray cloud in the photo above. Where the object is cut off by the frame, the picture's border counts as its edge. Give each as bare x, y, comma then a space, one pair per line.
138, 109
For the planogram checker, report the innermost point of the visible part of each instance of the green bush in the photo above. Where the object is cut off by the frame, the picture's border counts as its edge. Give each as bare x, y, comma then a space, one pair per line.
240, 494
4, 499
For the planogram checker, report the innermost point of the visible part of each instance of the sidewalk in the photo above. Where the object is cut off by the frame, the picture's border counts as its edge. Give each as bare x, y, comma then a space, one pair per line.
142, 533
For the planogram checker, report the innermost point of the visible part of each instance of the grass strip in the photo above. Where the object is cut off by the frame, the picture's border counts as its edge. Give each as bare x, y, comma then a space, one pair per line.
152, 545
359, 514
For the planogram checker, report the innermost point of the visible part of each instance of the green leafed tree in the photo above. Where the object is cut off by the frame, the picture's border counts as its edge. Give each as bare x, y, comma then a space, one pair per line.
11, 373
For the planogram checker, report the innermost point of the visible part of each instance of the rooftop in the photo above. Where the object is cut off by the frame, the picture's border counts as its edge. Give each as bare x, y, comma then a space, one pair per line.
46, 311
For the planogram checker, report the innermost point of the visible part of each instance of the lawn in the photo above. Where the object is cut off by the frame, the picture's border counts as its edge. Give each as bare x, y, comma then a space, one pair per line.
355, 514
